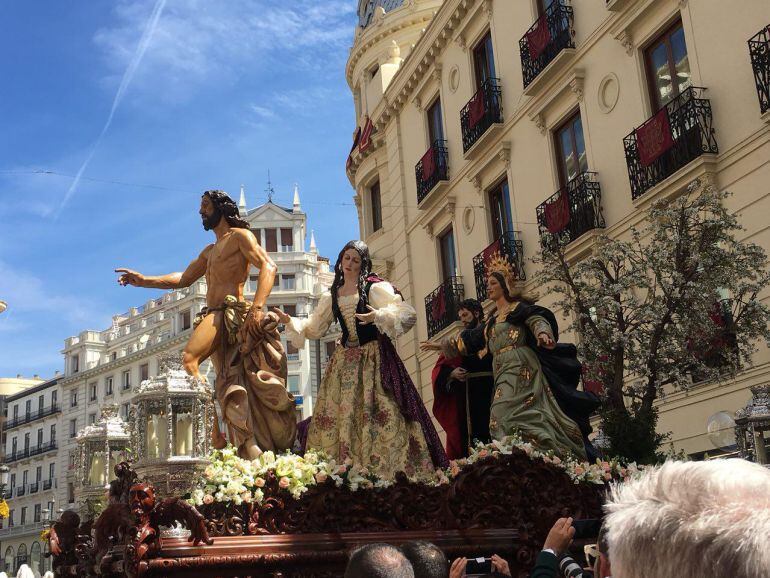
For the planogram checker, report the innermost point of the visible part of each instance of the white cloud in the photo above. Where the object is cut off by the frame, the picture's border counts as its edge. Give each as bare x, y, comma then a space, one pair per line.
203, 41
262, 111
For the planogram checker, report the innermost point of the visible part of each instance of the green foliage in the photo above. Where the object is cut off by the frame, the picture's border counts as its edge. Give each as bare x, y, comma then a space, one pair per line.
676, 303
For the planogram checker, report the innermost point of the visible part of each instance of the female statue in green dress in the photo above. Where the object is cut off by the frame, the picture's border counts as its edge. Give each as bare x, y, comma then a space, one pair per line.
529, 369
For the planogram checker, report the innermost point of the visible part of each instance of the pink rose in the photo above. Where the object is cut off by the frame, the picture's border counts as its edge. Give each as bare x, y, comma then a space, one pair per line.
607, 476
208, 499
483, 453
259, 482
556, 460
321, 477
283, 482
342, 469
579, 470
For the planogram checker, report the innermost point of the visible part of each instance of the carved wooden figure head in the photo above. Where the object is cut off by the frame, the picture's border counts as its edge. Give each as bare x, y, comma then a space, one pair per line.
141, 500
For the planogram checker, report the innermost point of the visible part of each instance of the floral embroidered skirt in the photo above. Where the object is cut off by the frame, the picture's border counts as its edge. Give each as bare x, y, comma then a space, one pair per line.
354, 417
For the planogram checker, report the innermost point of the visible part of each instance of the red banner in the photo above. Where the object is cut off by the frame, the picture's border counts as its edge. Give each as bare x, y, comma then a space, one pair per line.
428, 164
539, 38
557, 213
476, 109
366, 135
490, 251
356, 136
654, 138
438, 309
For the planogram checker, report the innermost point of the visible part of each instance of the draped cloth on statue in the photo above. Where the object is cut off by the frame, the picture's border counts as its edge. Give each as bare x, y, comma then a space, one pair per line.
367, 409
251, 382
449, 406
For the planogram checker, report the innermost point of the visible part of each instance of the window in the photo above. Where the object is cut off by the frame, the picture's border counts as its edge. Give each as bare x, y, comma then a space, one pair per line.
54, 398
108, 386
376, 205
668, 67
287, 282
73, 398
258, 234
92, 418
13, 481
447, 248
144, 372
40, 436
38, 473
14, 445
435, 125
124, 411
271, 241
500, 205
185, 320
114, 356
23, 517
276, 280
28, 408
51, 470
10, 525
287, 240
70, 493
53, 432
75, 361
570, 150
26, 442
16, 411
484, 60
92, 392
126, 379
37, 514
73, 428
290, 310
293, 383
40, 403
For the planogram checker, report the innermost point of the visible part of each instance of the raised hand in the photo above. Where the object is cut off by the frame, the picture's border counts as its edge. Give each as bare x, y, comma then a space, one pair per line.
560, 536
129, 277
500, 566
366, 318
283, 318
458, 568
429, 346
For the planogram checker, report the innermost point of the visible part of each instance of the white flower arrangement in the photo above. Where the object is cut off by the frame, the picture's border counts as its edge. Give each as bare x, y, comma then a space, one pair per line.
231, 479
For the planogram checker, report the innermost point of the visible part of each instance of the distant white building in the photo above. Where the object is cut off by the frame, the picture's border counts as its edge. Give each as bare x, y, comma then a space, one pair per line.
302, 277
30, 440
101, 367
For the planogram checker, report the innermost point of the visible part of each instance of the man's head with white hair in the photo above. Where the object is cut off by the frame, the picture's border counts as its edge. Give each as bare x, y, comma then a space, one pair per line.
690, 520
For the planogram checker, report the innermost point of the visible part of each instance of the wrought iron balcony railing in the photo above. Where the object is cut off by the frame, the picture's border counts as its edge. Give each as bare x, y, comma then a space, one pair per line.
48, 484
759, 48
549, 35
508, 246
21, 490
441, 305
17, 455
571, 211
481, 112
32, 416
432, 168
42, 448
34, 487
678, 133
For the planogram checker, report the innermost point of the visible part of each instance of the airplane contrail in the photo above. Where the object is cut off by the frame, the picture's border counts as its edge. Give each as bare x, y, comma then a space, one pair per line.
144, 42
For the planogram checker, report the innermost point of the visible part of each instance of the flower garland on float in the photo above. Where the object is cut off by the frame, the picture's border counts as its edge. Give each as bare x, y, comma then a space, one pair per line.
231, 479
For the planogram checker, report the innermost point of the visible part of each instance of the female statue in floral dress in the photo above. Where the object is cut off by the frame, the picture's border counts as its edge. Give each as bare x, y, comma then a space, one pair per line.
522, 339
367, 408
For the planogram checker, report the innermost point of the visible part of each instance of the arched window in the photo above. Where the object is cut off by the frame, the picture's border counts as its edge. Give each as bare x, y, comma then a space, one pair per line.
21, 556
8, 561
35, 559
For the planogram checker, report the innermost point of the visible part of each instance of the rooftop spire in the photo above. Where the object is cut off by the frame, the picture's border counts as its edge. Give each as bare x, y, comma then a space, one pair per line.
296, 198
313, 248
269, 190
242, 202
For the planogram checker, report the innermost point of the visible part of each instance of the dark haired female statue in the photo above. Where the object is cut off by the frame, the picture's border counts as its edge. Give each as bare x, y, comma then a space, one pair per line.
535, 393
368, 409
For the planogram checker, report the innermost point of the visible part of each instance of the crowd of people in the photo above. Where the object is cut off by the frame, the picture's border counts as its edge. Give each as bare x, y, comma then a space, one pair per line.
677, 520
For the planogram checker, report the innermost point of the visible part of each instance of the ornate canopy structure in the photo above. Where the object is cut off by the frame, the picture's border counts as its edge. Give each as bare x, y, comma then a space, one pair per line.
752, 426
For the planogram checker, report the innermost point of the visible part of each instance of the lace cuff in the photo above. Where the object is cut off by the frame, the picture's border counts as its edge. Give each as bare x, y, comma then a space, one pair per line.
392, 316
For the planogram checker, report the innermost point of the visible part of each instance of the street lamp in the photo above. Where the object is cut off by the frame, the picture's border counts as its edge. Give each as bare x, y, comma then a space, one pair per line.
4, 473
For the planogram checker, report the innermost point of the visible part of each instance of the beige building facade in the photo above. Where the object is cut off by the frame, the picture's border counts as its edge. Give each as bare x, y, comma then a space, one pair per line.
484, 122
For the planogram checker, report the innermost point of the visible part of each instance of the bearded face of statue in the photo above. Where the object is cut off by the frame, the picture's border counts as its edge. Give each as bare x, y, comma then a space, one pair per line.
210, 213
141, 499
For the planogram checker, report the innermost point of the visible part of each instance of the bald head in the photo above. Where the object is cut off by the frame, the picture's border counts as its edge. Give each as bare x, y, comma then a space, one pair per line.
378, 561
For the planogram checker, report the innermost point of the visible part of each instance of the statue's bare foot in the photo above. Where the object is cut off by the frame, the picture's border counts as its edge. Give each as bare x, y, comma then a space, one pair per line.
251, 450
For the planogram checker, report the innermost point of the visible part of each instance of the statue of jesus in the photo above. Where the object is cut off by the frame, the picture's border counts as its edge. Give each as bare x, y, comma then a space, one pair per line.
241, 339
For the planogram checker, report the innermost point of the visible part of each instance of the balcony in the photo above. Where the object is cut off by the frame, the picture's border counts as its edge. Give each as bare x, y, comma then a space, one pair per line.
17, 455
545, 40
571, 211
432, 168
20, 491
759, 48
508, 246
42, 448
441, 305
34, 487
482, 111
32, 416
678, 133
49, 484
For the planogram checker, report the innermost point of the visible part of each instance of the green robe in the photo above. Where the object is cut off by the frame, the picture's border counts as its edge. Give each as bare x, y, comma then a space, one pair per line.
522, 400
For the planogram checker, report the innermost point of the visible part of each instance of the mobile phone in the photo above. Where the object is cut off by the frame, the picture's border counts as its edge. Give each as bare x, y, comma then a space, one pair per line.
587, 528
479, 566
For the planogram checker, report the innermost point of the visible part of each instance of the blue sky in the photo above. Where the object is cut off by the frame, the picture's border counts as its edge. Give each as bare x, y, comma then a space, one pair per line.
203, 94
